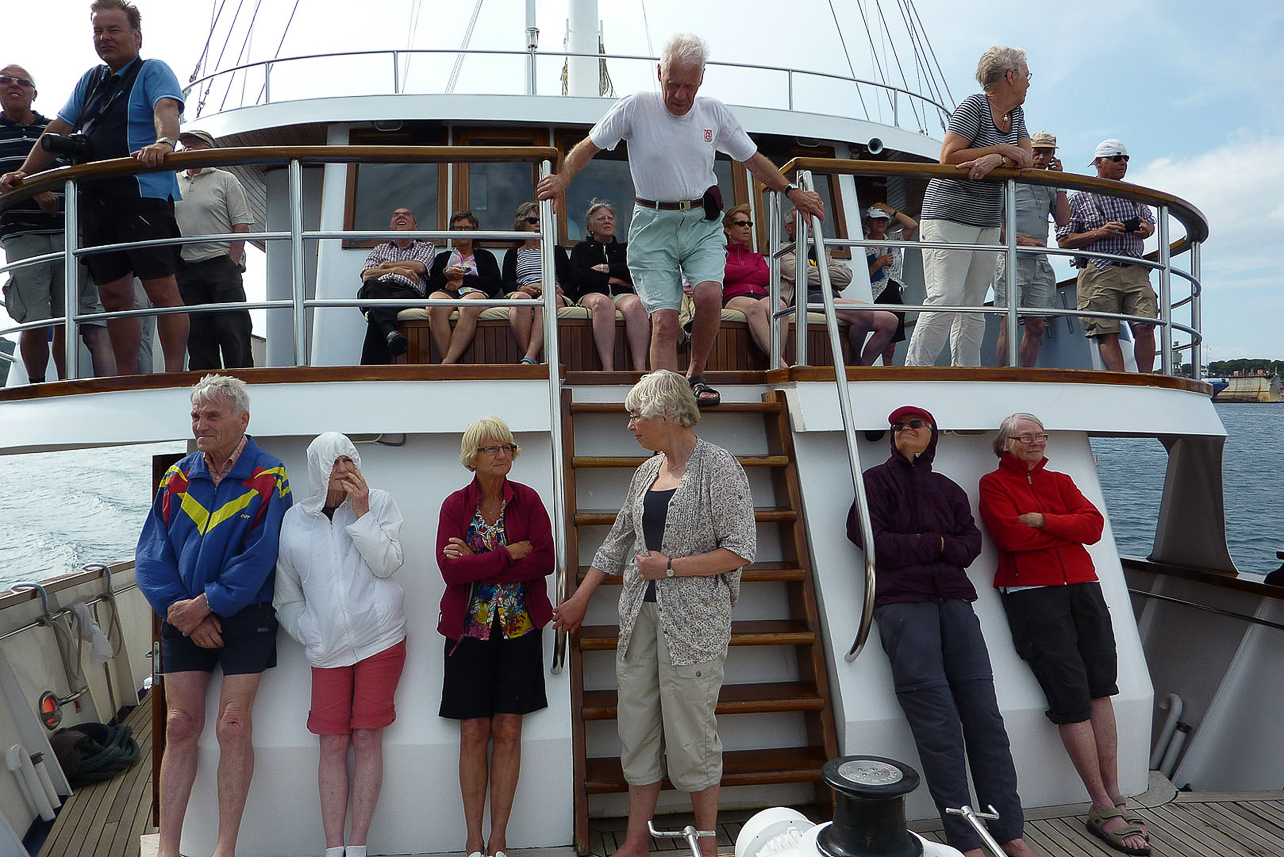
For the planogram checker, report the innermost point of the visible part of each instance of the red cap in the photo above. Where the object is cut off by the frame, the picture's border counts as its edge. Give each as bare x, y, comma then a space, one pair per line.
908, 410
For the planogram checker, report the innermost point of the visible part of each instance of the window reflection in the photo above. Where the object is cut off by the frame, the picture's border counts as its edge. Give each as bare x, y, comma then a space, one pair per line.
496, 190
383, 188
604, 180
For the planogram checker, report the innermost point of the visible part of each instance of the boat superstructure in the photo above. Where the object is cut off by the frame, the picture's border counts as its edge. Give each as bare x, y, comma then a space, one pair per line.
323, 172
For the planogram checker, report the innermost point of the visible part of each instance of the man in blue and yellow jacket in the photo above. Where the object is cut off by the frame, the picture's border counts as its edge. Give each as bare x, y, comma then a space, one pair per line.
205, 563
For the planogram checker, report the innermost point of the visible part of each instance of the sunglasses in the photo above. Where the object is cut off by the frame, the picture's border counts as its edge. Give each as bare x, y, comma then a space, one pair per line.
21, 81
1118, 158
742, 223
911, 424
531, 220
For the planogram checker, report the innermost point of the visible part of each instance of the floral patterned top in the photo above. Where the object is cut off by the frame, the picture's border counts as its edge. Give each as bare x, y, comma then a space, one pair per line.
506, 599
711, 508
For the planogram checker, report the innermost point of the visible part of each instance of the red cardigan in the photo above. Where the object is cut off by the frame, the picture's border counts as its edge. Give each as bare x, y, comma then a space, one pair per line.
746, 273
1053, 555
524, 520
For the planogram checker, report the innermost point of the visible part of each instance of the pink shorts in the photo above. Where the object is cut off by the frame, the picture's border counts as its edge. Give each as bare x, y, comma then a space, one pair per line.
356, 697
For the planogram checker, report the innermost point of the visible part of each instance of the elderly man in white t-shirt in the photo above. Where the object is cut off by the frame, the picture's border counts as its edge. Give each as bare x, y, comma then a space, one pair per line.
673, 138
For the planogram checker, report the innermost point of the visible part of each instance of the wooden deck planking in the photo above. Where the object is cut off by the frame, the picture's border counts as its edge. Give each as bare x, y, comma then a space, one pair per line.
107, 819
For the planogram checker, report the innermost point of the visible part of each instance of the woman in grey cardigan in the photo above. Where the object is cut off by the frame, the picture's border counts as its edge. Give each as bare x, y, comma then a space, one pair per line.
684, 532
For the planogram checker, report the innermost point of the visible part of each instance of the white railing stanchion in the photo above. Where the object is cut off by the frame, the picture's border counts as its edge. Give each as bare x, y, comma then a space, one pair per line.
297, 270
561, 570
773, 282
1196, 314
1010, 272
71, 279
802, 229
1165, 295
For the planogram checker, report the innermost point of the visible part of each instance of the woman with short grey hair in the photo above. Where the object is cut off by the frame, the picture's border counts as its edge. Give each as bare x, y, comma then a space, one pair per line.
684, 532
603, 285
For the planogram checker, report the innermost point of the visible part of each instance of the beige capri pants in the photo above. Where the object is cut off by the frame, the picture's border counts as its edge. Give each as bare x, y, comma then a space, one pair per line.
666, 712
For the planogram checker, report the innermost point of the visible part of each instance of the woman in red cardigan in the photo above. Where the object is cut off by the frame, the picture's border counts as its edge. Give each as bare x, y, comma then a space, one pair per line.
744, 283
494, 548
1060, 624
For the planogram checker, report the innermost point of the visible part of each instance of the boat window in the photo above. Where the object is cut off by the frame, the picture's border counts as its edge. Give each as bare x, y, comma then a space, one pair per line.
493, 191
374, 191
606, 179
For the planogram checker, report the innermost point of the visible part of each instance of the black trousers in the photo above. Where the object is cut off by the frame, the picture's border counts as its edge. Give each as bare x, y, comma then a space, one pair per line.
212, 281
381, 321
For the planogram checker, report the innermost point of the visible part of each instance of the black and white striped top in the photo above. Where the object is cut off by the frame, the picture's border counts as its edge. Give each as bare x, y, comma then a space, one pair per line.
964, 201
529, 269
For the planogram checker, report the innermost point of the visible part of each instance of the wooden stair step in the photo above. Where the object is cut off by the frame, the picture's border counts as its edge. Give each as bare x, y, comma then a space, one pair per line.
634, 462
759, 572
762, 514
726, 408
767, 697
756, 632
739, 768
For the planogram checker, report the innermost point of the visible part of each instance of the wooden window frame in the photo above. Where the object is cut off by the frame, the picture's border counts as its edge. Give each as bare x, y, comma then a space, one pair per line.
375, 137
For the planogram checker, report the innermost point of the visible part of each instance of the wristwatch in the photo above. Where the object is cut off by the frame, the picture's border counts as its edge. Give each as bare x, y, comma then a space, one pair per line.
173, 144
788, 188
668, 571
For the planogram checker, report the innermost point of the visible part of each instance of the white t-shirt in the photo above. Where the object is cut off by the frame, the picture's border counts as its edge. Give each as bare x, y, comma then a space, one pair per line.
671, 157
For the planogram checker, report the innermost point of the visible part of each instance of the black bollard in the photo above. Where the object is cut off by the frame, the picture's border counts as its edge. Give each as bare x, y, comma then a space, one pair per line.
869, 808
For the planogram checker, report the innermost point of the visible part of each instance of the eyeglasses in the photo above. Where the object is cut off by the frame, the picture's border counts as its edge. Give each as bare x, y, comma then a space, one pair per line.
21, 81
1118, 158
635, 417
1029, 75
742, 223
1028, 439
496, 450
911, 424
531, 220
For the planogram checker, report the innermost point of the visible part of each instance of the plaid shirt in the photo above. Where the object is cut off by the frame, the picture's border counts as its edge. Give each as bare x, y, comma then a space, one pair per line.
219, 471
1089, 211
419, 251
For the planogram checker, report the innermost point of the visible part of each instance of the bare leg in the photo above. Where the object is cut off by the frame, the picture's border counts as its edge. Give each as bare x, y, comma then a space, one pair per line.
537, 334
367, 781
34, 345
637, 329
1082, 743
520, 321
235, 751
465, 328
1031, 341
1111, 353
332, 780
637, 838
1143, 346
163, 291
184, 722
126, 333
1001, 349
439, 324
664, 339
505, 766
704, 327
474, 740
884, 328
757, 317
602, 312
705, 806
99, 344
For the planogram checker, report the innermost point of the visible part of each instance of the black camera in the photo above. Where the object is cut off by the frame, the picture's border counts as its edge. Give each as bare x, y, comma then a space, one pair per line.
1132, 224
75, 147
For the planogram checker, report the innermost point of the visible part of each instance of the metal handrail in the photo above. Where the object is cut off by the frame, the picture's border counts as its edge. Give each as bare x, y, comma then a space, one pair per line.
396, 54
1252, 620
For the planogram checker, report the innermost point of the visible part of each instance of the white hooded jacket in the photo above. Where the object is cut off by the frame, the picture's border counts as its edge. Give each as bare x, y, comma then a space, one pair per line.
333, 592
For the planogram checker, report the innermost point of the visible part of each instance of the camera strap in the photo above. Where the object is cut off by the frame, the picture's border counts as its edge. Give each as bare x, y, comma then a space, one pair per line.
103, 92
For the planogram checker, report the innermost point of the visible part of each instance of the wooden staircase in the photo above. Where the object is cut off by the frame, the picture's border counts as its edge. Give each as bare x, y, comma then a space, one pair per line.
797, 625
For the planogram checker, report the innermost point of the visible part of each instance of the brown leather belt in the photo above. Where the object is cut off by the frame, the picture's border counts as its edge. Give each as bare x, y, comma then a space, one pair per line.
680, 205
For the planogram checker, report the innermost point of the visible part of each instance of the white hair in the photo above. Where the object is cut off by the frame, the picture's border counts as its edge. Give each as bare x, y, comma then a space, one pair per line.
996, 63
664, 394
684, 50
222, 387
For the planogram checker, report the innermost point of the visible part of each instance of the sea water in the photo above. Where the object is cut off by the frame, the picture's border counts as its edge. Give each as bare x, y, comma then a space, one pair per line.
60, 510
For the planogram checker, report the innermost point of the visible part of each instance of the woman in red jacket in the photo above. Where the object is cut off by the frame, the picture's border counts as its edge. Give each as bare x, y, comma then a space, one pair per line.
744, 283
494, 548
1060, 623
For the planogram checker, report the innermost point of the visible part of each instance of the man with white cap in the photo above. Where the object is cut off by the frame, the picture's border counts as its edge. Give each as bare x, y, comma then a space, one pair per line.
1100, 223
1036, 283
213, 203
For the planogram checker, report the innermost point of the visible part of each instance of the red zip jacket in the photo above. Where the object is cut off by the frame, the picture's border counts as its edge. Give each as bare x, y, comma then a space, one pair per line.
746, 273
1053, 555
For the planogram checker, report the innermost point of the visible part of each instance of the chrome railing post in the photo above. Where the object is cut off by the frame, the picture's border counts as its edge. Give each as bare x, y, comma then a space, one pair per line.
1196, 314
1009, 272
548, 246
845, 409
773, 283
790, 77
1165, 295
267, 83
396, 72
71, 279
802, 228
296, 264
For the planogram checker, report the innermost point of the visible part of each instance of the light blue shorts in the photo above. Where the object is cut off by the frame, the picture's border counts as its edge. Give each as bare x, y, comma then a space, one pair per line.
664, 244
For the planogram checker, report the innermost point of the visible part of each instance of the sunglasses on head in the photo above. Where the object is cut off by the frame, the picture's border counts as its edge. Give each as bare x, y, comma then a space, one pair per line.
909, 424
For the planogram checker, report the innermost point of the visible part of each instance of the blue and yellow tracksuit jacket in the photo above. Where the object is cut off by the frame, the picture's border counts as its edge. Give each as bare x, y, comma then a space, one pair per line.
221, 541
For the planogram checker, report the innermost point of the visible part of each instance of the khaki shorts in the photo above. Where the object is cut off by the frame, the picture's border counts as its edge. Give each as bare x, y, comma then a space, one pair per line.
1035, 280
666, 712
1123, 289
36, 292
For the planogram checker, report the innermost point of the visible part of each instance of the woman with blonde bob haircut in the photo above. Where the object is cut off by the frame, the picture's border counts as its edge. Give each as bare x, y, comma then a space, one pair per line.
684, 532
494, 548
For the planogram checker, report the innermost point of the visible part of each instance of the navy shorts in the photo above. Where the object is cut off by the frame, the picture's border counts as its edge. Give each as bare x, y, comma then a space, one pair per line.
249, 645
495, 676
1064, 633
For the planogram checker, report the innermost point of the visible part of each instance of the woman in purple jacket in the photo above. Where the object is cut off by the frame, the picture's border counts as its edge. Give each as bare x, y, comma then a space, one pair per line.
924, 537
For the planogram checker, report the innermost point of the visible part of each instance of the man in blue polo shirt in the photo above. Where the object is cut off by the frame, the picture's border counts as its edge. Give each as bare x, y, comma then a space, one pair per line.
118, 107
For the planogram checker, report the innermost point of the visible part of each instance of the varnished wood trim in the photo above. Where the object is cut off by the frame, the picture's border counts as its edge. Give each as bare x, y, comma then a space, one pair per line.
991, 375
1220, 579
54, 585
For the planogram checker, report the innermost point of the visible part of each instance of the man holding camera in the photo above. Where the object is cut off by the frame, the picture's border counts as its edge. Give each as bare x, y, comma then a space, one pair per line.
115, 112
1100, 223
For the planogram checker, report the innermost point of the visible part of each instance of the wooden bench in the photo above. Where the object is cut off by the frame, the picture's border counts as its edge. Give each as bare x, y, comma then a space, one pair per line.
493, 343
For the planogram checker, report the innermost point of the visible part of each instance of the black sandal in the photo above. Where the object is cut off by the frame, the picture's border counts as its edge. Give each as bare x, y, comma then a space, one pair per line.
706, 396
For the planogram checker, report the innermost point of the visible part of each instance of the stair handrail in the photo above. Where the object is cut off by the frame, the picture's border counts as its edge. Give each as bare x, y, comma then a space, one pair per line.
844, 395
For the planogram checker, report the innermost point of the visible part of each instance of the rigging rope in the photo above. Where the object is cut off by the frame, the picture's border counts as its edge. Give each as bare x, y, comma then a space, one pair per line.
277, 55
850, 68
949, 100
913, 102
240, 55
412, 31
215, 13
209, 85
459, 60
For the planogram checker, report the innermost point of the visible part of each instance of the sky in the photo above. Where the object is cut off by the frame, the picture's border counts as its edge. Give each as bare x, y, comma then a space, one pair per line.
1192, 89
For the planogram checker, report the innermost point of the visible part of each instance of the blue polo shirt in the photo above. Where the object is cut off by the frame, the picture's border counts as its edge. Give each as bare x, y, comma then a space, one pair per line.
155, 81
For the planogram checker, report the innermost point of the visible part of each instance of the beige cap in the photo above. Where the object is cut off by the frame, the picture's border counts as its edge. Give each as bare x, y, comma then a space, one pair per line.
1043, 140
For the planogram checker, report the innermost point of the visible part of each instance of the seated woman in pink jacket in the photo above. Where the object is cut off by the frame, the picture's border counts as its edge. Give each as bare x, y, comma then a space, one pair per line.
1060, 624
744, 284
